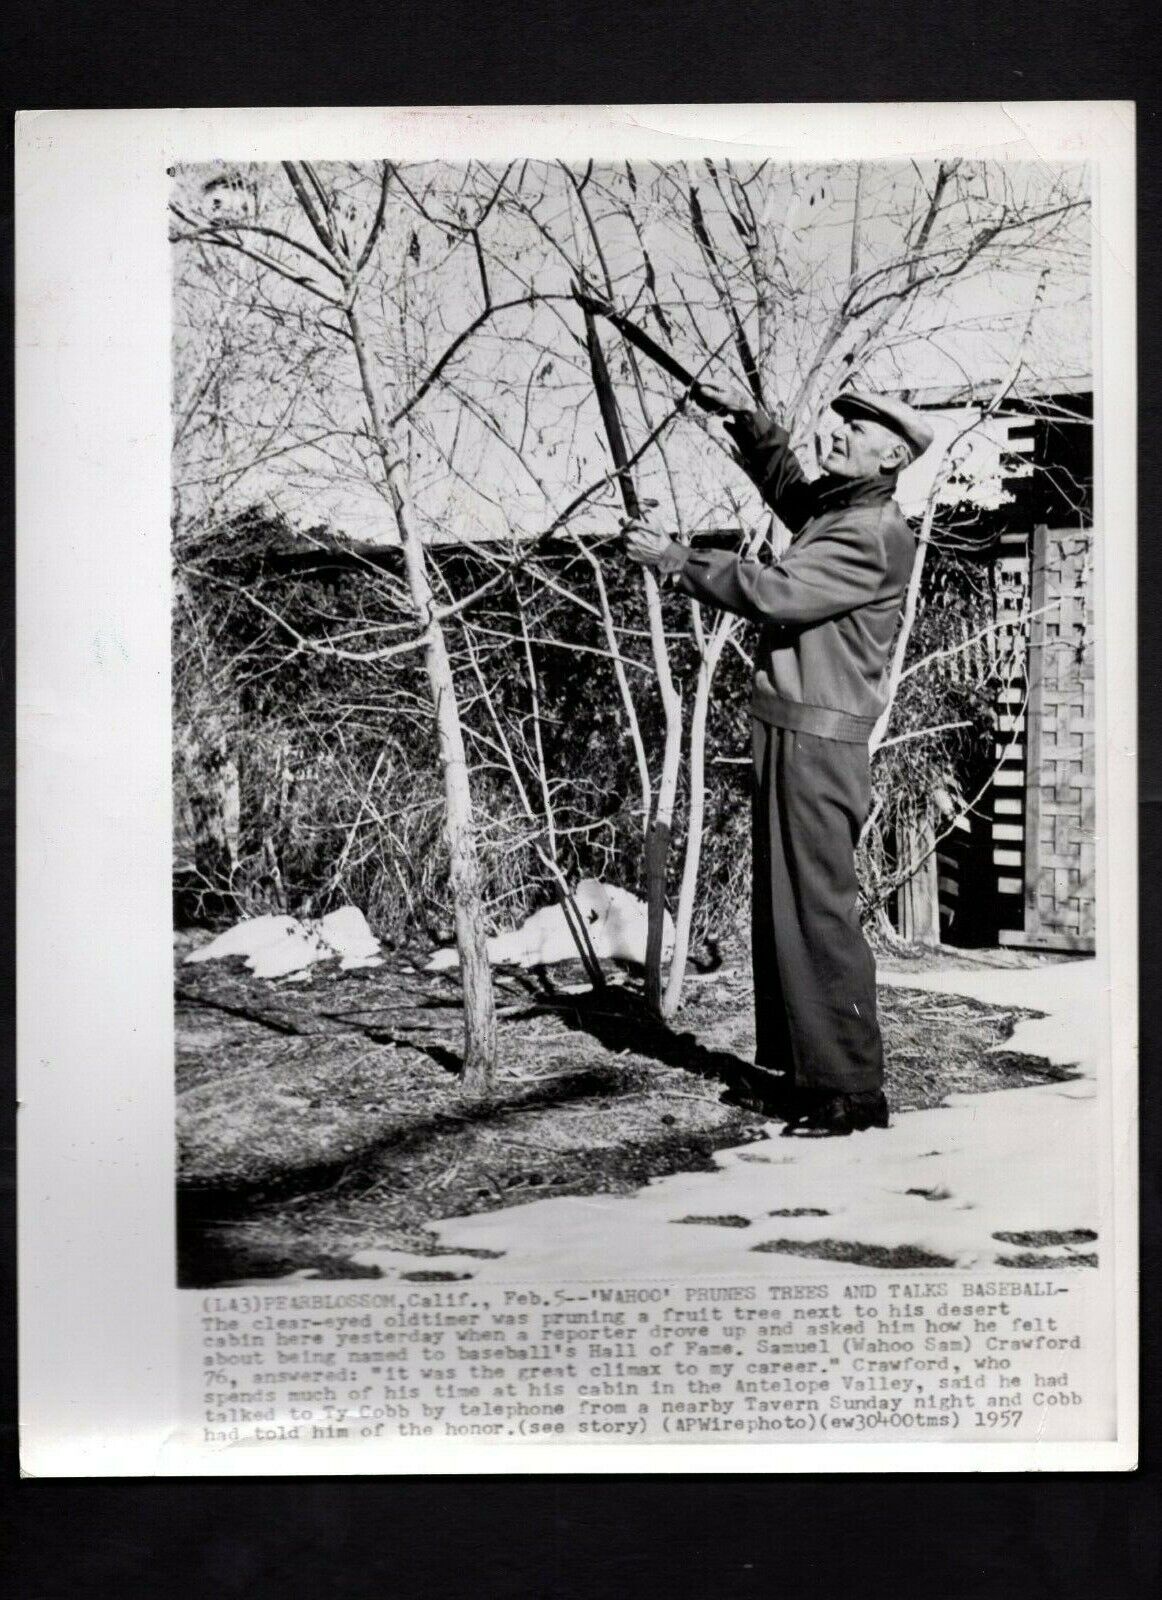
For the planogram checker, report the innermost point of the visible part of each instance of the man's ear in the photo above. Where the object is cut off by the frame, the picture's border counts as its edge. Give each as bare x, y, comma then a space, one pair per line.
895, 458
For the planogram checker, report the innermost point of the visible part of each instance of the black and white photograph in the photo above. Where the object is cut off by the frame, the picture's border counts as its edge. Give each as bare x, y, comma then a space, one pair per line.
632, 657
633, 717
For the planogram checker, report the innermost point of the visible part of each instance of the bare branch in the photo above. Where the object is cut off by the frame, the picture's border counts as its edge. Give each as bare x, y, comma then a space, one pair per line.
922, 733
377, 222
213, 231
710, 256
559, 521
308, 646
263, 260
321, 230
460, 340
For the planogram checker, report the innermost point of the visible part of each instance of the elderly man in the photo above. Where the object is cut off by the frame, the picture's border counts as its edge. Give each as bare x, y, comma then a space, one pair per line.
828, 609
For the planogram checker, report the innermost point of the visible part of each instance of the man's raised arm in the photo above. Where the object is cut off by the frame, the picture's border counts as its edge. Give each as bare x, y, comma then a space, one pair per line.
763, 450
823, 575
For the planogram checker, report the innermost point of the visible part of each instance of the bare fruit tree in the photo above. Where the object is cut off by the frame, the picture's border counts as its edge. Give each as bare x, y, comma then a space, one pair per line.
362, 339
798, 282
326, 260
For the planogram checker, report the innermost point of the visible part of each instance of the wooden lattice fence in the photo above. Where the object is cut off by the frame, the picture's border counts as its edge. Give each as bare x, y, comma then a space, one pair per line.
1056, 855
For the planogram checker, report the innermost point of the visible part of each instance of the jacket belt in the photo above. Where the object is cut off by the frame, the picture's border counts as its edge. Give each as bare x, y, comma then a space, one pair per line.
821, 721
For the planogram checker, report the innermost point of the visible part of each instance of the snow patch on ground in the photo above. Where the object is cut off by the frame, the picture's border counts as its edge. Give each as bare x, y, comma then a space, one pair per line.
944, 1182
279, 947
615, 920
1067, 991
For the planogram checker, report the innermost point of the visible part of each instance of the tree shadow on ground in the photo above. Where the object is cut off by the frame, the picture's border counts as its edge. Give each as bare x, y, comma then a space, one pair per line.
619, 1020
401, 1138
615, 1016
609, 1072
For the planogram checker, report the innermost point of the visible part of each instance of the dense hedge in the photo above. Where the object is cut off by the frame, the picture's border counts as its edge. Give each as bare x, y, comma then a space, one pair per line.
304, 781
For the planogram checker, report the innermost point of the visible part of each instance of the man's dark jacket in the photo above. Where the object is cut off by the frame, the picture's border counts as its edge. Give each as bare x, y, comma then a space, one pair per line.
830, 606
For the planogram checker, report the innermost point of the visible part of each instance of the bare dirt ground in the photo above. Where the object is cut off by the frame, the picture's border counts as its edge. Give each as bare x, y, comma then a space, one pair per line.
322, 1118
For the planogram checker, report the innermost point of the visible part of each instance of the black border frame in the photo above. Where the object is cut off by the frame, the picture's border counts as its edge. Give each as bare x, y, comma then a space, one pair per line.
1058, 1535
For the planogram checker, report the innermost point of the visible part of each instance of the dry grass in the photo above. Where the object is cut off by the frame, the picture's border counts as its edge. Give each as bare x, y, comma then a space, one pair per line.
321, 1118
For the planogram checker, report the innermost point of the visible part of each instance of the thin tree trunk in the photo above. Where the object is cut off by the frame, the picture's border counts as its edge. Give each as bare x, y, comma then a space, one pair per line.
574, 920
464, 864
635, 733
658, 837
853, 269
657, 823
911, 601
538, 742
721, 634
696, 769
661, 825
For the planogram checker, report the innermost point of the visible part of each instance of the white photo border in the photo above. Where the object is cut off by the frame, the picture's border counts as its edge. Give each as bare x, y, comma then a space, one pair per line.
99, 1311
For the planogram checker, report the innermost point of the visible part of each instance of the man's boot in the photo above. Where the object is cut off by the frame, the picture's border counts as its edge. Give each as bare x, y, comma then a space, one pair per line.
824, 1113
761, 1090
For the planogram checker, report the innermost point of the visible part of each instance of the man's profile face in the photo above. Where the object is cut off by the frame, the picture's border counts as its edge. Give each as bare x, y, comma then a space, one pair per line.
863, 448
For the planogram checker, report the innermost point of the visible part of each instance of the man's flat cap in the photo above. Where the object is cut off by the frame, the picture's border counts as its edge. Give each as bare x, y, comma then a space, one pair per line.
912, 427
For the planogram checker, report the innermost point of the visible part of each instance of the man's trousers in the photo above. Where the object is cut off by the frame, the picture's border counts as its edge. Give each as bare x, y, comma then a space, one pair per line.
814, 975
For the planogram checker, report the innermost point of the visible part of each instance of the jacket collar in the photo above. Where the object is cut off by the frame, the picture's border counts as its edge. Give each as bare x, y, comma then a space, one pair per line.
833, 493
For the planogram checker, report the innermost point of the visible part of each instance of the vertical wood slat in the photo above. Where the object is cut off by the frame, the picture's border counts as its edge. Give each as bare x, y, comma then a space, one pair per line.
1058, 899
1010, 649
918, 899
1034, 729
